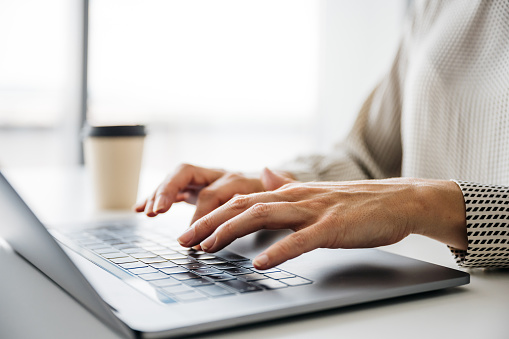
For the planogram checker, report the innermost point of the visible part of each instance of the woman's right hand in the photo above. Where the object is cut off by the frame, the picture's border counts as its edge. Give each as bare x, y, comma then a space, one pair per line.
206, 188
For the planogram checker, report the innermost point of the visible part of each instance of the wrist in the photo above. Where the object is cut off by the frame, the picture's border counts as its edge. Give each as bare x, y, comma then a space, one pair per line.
442, 213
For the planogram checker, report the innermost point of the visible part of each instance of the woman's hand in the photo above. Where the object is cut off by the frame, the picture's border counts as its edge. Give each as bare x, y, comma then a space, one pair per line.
207, 188
336, 215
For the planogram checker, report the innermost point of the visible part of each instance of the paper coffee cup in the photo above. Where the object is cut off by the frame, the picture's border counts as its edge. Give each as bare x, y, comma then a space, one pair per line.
113, 157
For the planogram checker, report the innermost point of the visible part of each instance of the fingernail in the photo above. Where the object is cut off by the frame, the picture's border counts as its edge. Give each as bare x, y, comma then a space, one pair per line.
160, 203
187, 236
261, 260
209, 242
149, 209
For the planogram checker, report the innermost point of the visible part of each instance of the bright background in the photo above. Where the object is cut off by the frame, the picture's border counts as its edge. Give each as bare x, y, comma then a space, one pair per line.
223, 83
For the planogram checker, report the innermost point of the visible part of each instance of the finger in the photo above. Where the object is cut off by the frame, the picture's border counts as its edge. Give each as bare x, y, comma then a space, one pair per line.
184, 177
207, 224
209, 199
272, 180
140, 206
274, 215
289, 247
149, 206
215, 195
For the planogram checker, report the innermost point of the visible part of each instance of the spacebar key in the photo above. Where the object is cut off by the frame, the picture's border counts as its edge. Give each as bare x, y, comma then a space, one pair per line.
241, 286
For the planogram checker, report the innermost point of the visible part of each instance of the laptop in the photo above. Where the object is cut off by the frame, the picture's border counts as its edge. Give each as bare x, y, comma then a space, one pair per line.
139, 281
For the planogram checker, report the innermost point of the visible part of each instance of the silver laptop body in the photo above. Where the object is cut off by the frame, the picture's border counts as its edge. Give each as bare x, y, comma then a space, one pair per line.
137, 306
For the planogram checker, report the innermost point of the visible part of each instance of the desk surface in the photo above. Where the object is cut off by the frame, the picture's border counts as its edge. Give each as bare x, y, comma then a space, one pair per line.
34, 307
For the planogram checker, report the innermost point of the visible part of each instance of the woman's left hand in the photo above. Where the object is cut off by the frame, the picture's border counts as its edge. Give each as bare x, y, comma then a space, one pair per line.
355, 214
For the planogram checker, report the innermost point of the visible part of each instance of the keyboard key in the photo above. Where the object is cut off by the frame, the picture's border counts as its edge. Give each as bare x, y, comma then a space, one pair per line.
183, 261
216, 261
102, 250
252, 277
224, 266
177, 247
207, 271
129, 265
192, 296
195, 266
90, 242
164, 251
173, 270
96, 246
143, 255
143, 270
143, 243
241, 286
122, 247
165, 282
185, 276
114, 242
197, 282
166, 264
220, 277
123, 260
174, 256
280, 275
214, 290
238, 270
229, 256
130, 238
177, 289
113, 255
202, 256
196, 252
153, 276
154, 248
296, 281
153, 260
270, 270
271, 284
245, 264
131, 250
189, 251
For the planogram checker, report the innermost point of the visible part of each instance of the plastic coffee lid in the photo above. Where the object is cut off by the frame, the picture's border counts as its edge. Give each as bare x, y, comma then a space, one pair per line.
115, 131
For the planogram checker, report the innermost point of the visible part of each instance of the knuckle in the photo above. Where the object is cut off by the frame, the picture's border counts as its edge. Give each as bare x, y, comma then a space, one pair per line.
285, 249
185, 167
287, 186
294, 189
227, 228
232, 176
293, 245
239, 202
260, 210
206, 222
298, 240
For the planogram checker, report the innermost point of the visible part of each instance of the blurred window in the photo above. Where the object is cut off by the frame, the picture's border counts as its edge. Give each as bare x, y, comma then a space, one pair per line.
203, 61
34, 58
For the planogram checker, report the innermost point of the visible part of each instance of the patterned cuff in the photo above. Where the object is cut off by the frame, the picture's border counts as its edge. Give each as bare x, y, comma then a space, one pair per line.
487, 214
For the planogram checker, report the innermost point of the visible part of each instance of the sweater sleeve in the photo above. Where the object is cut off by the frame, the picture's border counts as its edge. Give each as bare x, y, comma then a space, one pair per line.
487, 214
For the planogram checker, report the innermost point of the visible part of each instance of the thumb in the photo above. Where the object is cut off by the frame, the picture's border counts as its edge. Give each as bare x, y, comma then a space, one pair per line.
272, 180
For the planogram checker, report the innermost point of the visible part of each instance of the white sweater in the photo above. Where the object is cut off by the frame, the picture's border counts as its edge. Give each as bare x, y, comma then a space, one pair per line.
441, 112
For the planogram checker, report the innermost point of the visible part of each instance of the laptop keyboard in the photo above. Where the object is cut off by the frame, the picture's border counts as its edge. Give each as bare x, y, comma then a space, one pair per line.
180, 274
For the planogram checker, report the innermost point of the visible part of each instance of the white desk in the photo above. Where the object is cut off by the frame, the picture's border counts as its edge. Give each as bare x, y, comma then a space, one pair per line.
31, 306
